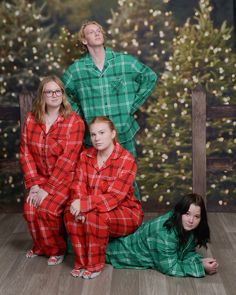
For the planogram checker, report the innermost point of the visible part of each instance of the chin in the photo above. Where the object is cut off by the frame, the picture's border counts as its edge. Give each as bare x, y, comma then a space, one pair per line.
98, 147
187, 228
99, 42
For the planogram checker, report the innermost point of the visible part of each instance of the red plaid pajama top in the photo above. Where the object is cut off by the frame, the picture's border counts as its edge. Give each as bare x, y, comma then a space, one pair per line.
108, 205
49, 159
105, 188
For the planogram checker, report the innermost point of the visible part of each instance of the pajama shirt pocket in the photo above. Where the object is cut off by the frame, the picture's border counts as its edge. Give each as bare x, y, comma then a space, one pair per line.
57, 145
106, 182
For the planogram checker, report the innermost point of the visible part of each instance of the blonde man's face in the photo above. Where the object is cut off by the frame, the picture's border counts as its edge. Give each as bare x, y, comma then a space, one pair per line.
93, 36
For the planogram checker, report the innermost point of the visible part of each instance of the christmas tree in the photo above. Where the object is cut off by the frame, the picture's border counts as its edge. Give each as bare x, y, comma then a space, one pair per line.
201, 54
144, 29
65, 15
68, 46
27, 51
68, 13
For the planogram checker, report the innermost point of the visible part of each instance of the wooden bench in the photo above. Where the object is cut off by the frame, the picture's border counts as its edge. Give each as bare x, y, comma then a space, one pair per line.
201, 112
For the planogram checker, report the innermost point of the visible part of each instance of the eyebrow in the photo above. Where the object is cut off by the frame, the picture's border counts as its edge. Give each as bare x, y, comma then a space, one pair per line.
52, 89
98, 130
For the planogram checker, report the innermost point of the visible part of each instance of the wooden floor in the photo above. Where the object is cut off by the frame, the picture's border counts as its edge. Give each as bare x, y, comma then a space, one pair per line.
22, 276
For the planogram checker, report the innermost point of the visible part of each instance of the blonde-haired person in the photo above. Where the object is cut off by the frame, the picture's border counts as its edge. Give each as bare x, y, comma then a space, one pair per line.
102, 203
107, 83
82, 36
51, 142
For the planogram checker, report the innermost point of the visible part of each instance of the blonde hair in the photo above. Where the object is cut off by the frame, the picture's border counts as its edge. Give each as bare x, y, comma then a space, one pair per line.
39, 106
108, 121
81, 35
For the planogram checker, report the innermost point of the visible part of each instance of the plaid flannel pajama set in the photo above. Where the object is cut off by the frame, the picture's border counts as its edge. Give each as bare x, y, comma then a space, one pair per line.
153, 246
108, 205
117, 91
49, 160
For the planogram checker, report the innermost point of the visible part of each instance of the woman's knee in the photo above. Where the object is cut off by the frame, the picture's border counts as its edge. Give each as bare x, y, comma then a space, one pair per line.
95, 217
29, 212
50, 210
67, 217
97, 224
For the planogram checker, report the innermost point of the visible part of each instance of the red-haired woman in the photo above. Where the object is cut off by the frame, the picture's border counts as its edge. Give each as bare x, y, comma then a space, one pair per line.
102, 203
50, 146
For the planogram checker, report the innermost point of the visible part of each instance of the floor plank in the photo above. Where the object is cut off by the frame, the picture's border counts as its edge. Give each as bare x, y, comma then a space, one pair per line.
125, 282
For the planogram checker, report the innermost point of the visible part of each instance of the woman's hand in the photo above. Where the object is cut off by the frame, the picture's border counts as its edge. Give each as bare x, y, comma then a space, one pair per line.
36, 196
75, 208
34, 189
210, 265
42, 194
32, 194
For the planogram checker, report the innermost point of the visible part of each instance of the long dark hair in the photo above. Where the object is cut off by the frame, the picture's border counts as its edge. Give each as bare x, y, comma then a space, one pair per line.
201, 232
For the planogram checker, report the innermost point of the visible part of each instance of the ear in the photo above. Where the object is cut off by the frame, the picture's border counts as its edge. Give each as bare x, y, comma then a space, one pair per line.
84, 41
113, 134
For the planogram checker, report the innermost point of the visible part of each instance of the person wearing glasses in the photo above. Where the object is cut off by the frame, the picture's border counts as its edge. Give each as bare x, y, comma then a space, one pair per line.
107, 83
51, 142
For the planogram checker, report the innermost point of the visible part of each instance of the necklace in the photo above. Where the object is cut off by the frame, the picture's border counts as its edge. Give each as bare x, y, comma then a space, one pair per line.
49, 121
101, 159
103, 156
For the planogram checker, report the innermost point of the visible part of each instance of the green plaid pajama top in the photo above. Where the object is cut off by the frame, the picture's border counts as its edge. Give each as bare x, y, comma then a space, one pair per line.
153, 246
117, 91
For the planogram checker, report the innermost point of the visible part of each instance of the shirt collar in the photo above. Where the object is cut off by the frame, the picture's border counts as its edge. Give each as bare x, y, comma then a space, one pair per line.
60, 118
109, 54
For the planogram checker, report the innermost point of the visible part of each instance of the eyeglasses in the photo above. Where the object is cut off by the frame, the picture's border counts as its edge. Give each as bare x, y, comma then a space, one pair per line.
50, 93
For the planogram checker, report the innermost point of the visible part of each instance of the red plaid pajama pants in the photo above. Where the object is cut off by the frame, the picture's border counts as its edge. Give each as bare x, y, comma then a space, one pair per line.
89, 239
46, 225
